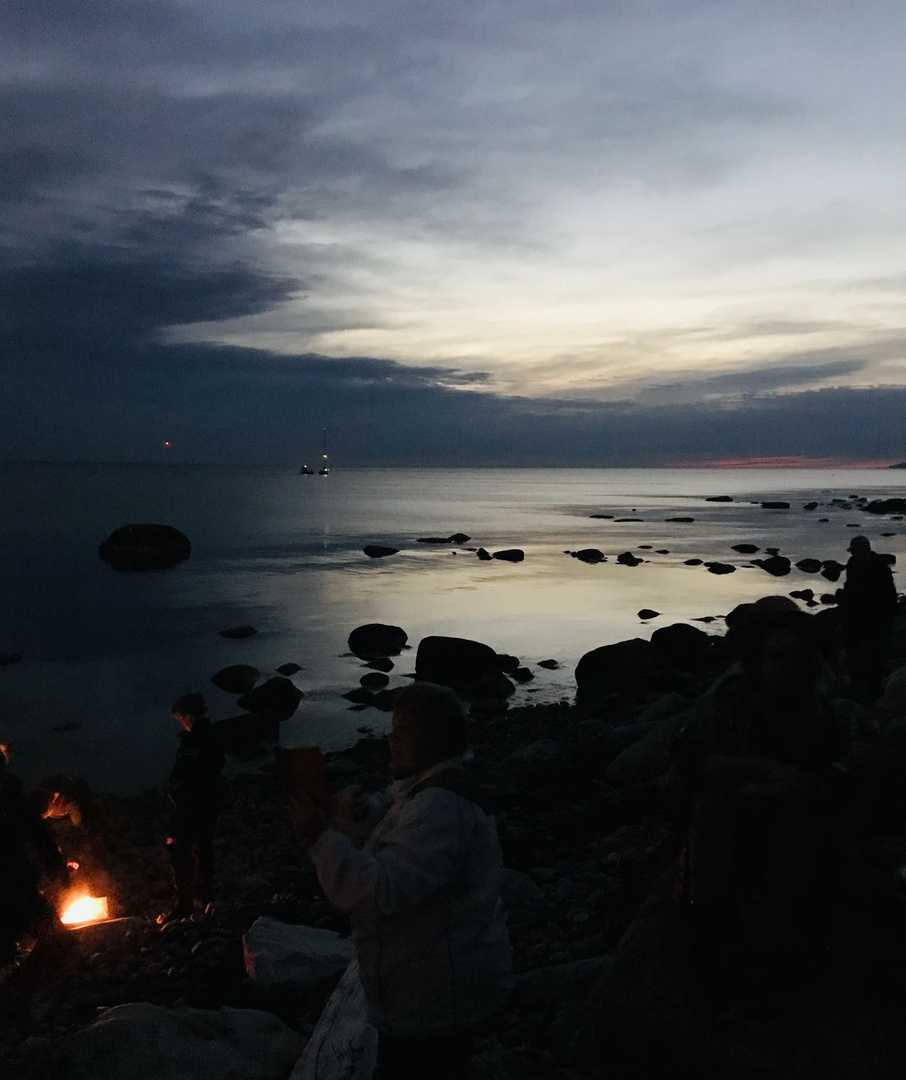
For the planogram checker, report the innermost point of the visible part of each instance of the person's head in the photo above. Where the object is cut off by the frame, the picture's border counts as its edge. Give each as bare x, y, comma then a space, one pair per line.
777, 646
188, 709
860, 547
428, 727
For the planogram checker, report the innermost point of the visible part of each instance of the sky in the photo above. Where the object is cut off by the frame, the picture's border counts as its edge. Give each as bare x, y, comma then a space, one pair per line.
510, 232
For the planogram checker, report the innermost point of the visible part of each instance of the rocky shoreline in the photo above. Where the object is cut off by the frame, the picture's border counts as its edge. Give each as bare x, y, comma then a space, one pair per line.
585, 827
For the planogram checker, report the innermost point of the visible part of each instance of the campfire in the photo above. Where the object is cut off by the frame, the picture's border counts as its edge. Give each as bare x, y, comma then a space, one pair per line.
80, 909
87, 909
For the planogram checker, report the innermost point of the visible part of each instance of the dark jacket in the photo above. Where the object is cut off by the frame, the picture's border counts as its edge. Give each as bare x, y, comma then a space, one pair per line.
195, 785
869, 594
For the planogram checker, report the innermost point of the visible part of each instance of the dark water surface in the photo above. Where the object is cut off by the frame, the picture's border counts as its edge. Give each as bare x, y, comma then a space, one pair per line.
105, 653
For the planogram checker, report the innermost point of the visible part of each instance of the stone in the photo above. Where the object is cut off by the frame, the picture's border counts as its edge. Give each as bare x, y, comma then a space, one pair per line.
681, 640
831, 569
602, 670
510, 555
508, 663
628, 559
720, 568
489, 707
664, 708
886, 506
517, 888
459, 663
145, 547
589, 555
379, 551
236, 679
458, 538
484, 555
140, 1041
775, 565
775, 505
537, 755
647, 613
557, 983
249, 736
377, 640
523, 674
680, 520
809, 566
693, 562
719, 498
361, 696
603, 517
550, 665
278, 696
289, 669
381, 663
745, 549
647, 759
374, 680
238, 632
803, 594
301, 959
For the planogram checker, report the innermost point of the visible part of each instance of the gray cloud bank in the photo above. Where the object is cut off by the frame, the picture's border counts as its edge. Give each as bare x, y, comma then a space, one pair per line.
150, 149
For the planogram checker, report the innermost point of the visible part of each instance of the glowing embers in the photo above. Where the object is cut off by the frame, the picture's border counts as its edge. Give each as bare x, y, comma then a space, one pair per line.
87, 909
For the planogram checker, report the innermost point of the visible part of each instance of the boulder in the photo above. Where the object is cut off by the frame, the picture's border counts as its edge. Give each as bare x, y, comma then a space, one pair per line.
589, 555
517, 888
360, 696
647, 759
509, 555
550, 665
523, 674
289, 669
775, 505
375, 680
831, 569
145, 547
681, 641
720, 568
380, 663
719, 498
628, 559
745, 549
278, 696
238, 632
377, 640
249, 736
458, 538
301, 959
693, 562
379, 551
647, 613
602, 670
886, 506
775, 565
809, 566
680, 520
141, 1041
469, 667
556, 984
508, 663
664, 708
484, 555
236, 679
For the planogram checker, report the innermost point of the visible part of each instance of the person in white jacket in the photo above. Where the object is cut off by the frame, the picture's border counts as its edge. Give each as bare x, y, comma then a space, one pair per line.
422, 895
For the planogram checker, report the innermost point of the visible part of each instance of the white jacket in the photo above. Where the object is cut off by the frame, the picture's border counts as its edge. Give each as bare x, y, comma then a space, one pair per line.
423, 899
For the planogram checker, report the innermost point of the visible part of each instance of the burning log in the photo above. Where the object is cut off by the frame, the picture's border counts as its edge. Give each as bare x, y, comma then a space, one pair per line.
87, 909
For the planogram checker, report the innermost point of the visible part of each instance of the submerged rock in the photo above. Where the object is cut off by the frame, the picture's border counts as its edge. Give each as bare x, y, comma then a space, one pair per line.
775, 505
374, 641
745, 549
628, 559
289, 669
647, 613
509, 555
775, 565
720, 568
278, 696
589, 555
236, 679
145, 547
374, 680
809, 566
238, 632
379, 551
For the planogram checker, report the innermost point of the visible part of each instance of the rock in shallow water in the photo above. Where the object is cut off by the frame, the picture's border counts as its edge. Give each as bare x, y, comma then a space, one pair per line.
145, 547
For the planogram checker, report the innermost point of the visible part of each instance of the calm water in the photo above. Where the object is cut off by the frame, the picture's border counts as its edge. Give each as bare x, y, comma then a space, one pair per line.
104, 654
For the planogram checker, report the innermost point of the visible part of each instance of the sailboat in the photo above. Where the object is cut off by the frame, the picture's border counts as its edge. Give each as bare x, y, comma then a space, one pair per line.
324, 470
305, 471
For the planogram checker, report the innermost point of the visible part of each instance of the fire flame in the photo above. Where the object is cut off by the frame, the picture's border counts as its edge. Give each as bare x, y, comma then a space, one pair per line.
87, 909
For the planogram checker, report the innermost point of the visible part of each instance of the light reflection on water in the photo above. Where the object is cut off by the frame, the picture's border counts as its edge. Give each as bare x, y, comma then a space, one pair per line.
109, 652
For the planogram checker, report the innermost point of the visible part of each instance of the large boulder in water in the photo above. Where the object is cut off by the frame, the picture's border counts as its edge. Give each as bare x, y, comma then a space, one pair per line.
375, 640
249, 736
682, 643
236, 679
469, 667
277, 696
145, 547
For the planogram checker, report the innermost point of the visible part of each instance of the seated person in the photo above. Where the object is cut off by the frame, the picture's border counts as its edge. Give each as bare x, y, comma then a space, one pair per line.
759, 768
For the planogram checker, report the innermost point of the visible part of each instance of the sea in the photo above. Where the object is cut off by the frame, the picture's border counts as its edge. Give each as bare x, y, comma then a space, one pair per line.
104, 653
